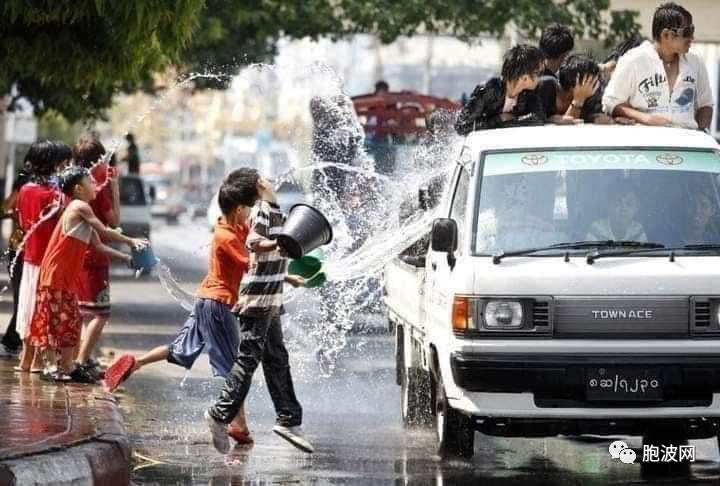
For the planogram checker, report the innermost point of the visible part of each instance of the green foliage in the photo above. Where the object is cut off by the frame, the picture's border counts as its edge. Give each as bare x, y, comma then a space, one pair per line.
54, 126
238, 32
73, 55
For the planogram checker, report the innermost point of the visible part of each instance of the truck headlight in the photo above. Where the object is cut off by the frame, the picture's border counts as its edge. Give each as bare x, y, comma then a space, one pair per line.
503, 314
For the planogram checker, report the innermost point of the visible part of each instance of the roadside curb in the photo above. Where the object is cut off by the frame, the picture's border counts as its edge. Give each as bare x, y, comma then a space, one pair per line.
101, 458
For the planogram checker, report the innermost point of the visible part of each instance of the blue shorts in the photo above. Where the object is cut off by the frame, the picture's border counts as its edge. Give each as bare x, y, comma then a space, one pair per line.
210, 323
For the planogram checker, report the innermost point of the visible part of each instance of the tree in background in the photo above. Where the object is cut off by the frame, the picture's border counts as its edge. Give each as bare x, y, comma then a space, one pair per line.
73, 55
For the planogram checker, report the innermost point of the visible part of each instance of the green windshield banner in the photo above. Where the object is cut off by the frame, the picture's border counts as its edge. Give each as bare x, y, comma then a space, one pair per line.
560, 160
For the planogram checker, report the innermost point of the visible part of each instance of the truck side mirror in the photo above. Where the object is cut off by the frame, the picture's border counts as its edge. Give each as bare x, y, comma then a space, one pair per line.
444, 235
152, 192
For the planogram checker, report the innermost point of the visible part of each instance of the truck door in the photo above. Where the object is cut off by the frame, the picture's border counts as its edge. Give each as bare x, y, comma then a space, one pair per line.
439, 272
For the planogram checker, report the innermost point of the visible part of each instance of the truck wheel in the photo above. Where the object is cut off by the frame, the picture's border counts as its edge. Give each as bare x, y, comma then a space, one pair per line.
399, 355
455, 432
416, 398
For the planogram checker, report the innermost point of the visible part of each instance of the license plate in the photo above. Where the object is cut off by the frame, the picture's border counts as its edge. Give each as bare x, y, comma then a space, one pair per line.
622, 384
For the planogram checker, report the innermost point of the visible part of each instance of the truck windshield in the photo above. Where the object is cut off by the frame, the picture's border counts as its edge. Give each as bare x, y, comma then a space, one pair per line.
534, 199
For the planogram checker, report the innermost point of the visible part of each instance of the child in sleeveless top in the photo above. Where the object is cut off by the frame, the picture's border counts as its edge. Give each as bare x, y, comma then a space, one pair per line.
56, 322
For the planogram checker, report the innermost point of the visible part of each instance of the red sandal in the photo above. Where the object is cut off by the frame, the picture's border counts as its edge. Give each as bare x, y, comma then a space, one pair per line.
119, 371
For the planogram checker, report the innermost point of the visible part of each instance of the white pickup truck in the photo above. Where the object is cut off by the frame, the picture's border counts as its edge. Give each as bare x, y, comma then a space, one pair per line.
571, 286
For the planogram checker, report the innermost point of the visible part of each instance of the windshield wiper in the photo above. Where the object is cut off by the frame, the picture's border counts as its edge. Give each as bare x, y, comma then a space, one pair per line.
691, 247
575, 245
634, 245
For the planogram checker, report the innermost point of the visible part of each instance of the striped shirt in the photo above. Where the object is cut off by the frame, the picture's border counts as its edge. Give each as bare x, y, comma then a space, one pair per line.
261, 290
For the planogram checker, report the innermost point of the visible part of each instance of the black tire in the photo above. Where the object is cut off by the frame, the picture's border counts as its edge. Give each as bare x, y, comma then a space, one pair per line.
454, 430
416, 398
399, 354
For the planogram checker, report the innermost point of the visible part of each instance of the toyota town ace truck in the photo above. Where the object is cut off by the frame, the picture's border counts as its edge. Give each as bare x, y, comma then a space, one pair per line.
571, 285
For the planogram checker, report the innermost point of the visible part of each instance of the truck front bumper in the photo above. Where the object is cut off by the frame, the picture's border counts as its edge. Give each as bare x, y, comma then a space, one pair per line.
548, 379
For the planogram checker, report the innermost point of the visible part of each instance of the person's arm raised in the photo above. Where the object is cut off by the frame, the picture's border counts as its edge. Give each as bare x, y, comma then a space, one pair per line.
107, 234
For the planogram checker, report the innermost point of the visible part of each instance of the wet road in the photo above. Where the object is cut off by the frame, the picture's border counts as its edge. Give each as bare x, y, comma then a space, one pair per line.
352, 416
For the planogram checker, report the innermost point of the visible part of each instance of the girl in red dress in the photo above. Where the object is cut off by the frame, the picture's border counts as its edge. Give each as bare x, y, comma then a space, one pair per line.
57, 323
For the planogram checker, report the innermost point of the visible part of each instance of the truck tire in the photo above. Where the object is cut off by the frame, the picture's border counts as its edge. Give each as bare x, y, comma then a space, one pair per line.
399, 354
416, 397
454, 430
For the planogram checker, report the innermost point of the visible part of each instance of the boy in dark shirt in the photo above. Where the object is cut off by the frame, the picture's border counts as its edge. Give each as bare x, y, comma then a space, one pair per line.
576, 94
509, 100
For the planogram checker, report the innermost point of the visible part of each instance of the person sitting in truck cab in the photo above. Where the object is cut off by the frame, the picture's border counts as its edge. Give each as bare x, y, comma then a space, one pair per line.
516, 224
702, 224
620, 223
509, 100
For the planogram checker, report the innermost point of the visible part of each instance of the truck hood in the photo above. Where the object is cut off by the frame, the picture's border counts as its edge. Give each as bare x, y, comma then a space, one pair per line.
657, 275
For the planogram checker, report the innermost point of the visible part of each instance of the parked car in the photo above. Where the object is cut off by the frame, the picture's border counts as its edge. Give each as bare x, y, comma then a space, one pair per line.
165, 198
135, 219
568, 287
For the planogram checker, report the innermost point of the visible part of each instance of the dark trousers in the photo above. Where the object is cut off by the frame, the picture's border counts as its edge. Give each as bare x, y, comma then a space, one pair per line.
261, 341
11, 339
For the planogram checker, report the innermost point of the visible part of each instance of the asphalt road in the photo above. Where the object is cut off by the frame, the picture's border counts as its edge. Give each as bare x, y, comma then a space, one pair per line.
352, 411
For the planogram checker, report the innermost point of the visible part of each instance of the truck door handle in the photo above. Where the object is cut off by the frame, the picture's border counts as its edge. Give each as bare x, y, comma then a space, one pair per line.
434, 265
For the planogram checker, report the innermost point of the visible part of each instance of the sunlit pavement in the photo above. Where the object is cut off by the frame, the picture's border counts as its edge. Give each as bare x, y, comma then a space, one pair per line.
352, 416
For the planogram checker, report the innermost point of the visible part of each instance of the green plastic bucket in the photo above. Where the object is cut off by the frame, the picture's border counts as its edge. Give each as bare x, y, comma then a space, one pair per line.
309, 267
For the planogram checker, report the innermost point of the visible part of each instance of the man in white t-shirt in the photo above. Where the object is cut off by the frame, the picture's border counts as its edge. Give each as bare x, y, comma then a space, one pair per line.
660, 83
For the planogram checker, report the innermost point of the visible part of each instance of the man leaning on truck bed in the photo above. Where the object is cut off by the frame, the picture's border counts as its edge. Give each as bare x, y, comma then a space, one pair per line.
660, 82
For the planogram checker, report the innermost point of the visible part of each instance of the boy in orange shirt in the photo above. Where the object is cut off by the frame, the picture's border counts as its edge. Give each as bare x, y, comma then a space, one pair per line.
211, 321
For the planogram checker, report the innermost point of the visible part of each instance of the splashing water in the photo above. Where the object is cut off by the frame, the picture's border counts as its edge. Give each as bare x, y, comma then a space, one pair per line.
369, 211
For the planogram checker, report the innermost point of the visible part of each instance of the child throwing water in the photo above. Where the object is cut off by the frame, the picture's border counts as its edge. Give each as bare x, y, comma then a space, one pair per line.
56, 322
211, 322
259, 307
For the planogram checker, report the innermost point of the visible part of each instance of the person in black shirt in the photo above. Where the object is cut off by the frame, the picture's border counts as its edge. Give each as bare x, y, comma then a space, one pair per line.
509, 100
132, 157
11, 339
576, 94
556, 42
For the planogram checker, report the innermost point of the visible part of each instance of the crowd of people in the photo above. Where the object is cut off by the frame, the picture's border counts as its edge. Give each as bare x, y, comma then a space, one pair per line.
654, 82
65, 204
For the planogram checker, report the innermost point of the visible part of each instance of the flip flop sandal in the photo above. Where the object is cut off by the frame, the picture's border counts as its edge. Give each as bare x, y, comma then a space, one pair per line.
20, 369
36, 370
119, 372
241, 438
55, 377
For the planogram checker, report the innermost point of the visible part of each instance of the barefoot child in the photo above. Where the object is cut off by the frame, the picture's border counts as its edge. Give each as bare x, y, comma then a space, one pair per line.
56, 322
259, 309
211, 321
